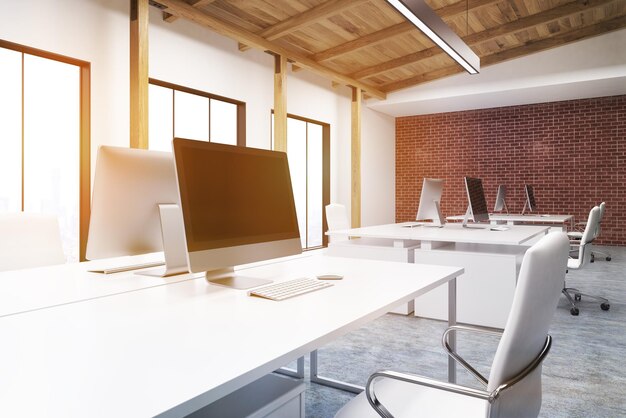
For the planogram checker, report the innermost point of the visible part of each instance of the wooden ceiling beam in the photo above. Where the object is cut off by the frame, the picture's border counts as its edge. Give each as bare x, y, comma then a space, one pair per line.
446, 13
198, 3
515, 26
516, 52
184, 10
168, 17
314, 14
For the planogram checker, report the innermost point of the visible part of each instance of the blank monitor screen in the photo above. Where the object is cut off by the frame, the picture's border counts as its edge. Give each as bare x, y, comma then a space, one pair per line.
476, 197
530, 198
235, 198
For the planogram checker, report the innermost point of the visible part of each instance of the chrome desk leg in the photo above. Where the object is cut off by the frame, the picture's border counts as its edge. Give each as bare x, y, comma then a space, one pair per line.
451, 322
298, 373
325, 381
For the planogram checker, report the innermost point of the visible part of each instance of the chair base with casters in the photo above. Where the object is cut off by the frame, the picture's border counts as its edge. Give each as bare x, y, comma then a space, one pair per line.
574, 295
597, 253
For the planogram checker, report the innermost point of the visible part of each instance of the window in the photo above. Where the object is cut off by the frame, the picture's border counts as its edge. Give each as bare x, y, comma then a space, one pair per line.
176, 111
44, 152
308, 151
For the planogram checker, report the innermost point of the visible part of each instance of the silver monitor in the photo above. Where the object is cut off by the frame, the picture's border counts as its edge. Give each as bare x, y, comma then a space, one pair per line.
430, 199
530, 199
477, 209
134, 208
500, 199
237, 206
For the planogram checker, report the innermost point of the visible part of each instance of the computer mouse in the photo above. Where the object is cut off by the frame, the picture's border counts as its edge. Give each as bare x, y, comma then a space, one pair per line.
330, 277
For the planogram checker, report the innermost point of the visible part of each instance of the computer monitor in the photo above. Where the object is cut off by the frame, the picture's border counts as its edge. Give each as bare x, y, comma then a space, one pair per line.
237, 206
477, 208
134, 208
530, 199
501, 200
430, 199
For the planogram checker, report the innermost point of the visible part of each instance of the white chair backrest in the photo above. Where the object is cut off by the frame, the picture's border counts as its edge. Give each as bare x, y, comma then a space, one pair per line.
337, 217
538, 289
589, 234
29, 240
602, 207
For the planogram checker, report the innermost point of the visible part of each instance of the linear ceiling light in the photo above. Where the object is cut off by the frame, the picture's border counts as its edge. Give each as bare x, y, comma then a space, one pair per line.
426, 20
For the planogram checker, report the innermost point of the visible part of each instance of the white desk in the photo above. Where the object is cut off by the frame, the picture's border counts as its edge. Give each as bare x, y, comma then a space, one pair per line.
430, 237
491, 260
519, 219
173, 349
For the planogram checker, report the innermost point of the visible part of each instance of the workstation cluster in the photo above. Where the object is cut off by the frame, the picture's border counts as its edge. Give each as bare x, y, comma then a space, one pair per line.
198, 295
229, 302
490, 247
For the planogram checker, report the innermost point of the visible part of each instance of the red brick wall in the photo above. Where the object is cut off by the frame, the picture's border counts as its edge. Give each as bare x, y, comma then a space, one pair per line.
572, 152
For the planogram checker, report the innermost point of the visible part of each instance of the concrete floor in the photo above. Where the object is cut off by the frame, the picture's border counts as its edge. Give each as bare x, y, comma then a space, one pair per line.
583, 376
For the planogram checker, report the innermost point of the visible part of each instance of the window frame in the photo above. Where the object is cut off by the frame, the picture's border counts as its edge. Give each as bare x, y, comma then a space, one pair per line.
84, 193
325, 171
241, 107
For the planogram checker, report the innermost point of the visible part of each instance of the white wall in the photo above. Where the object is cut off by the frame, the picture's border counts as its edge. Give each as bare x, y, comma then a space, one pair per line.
593, 67
184, 53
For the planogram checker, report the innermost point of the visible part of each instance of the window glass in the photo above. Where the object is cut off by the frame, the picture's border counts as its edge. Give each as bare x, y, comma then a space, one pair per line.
10, 131
161, 119
296, 153
191, 117
314, 186
223, 122
52, 144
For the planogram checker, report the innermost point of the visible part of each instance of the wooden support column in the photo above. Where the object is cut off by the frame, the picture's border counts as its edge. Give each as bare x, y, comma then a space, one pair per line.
139, 73
356, 157
280, 103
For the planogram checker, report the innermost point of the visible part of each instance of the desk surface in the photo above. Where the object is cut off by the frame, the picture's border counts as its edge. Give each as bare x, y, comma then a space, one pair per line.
30, 289
515, 235
177, 347
510, 217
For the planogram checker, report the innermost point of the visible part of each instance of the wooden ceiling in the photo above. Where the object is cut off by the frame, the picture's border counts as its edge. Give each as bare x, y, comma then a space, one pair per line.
367, 44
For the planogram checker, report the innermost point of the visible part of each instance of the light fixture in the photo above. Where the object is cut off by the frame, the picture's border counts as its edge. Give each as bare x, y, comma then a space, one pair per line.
426, 20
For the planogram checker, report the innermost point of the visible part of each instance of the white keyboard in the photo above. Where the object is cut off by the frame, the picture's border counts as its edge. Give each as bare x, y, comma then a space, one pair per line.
289, 288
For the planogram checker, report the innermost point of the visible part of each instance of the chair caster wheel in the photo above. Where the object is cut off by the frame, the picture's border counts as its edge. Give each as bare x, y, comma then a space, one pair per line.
608, 259
574, 311
605, 306
577, 297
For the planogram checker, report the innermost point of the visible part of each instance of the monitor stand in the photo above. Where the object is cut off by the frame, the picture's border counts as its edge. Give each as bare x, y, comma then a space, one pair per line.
228, 278
524, 208
438, 222
174, 244
466, 218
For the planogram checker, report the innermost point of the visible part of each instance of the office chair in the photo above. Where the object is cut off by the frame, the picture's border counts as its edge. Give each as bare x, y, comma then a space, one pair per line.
337, 219
29, 240
578, 233
583, 256
514, 385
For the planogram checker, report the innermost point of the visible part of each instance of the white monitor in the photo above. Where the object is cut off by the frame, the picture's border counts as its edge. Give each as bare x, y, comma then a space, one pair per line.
500, 199
134, 208
477, 208
530, 199
430, 200
237, 206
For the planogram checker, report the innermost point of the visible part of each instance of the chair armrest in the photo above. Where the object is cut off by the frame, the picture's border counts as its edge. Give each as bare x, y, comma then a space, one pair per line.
457, 357
452, 387
417, 380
